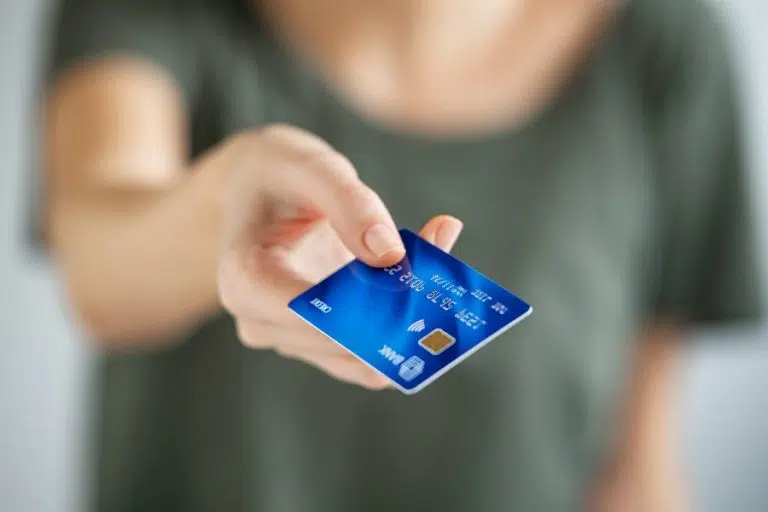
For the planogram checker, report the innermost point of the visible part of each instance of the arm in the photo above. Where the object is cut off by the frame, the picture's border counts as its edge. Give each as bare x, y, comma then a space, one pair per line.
135, 235
706, 273
647, 471
653, 450
148, 249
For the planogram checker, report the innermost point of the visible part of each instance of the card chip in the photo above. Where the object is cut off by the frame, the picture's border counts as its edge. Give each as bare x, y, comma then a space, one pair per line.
437, 341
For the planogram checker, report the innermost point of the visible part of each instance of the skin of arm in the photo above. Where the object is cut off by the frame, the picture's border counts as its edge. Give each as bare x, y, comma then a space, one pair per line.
647, 472
133, 229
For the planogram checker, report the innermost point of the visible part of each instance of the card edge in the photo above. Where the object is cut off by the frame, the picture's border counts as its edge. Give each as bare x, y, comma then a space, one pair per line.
445, 369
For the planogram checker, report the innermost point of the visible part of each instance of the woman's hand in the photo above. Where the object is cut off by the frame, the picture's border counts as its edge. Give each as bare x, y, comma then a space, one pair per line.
296, 211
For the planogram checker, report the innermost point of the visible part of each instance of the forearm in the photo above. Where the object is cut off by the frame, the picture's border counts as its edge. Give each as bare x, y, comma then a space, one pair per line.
140, 264
651, 454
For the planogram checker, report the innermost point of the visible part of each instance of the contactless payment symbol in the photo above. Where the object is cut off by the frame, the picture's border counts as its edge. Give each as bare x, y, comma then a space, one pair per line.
417, 326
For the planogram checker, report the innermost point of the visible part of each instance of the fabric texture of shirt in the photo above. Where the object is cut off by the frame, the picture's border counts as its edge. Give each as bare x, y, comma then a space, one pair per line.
621, 202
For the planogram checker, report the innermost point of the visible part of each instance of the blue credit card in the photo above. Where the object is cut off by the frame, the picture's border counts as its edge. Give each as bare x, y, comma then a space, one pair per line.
413, 321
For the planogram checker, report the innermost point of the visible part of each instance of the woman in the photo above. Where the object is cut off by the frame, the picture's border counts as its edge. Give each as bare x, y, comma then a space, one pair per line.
207, 153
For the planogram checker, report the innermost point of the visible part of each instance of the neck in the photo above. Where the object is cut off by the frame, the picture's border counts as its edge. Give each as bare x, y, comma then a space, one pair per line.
433, 31
424, 34
413, 61
431, 18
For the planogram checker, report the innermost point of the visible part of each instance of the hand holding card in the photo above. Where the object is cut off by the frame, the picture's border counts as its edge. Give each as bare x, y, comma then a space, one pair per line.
256, 287
296, 211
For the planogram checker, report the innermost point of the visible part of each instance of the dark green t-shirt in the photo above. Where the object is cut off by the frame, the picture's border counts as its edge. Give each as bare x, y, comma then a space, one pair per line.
621, 201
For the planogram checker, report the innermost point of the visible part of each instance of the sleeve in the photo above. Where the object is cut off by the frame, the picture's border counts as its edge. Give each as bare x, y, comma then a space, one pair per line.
159, 31
708, 261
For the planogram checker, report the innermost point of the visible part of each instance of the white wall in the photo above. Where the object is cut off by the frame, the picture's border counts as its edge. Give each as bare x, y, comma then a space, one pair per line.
44, 371
42, 368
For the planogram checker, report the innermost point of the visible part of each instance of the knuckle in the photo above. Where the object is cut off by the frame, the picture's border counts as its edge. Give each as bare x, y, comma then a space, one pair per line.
370, 385
337, 372
361, 199
375, 382
291, 138
284, 350
356, 195
228, 284
244, 332
277, 131
255, 137
241, 289
251, 335
242, 140
227, 295
331, 163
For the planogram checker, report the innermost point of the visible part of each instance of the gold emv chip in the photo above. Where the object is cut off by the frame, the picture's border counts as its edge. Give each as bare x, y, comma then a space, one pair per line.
437, 341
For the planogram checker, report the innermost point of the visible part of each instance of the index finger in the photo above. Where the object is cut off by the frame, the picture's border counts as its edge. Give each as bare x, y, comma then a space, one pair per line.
324, 182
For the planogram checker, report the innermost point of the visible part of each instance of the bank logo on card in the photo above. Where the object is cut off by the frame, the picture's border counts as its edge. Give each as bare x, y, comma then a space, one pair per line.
411, 368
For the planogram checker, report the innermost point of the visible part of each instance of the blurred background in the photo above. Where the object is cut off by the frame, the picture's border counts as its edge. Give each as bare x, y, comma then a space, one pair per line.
44, 369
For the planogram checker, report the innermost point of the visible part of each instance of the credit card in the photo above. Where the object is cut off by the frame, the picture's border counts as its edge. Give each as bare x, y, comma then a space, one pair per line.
413, 321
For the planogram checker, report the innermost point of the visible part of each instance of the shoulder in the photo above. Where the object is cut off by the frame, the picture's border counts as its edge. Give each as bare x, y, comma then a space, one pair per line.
681, 56
676, 20
667, 34
176, 35
100, 22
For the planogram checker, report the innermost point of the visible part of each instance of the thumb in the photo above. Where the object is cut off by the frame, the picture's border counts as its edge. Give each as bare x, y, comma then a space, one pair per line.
442, 231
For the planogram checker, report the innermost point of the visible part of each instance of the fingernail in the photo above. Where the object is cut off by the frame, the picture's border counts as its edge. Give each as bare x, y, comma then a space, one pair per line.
381, 240
448, 234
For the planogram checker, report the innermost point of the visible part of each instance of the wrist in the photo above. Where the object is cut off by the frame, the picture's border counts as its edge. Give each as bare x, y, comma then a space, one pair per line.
208, 184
